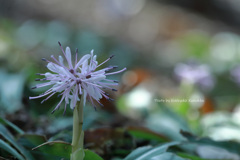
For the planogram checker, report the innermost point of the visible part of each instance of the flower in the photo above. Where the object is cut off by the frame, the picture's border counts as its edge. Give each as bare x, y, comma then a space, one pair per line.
76, 80
195, 74
235, 74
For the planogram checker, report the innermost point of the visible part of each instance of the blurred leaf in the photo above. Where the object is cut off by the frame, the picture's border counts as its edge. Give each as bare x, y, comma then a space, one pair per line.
192, 157
149, 152
167, 156
212, 152
137, 152
89, 155
60, 124
10, 150
8, 136
196, 44
31, 140
166, 122
10, 124
230, 146
55, 149
41, 149
11, 96
109, 141
144, 133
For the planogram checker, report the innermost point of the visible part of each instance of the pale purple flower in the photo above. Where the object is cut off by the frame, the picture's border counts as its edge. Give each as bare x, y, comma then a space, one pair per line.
235, 73
77, 81
196, 74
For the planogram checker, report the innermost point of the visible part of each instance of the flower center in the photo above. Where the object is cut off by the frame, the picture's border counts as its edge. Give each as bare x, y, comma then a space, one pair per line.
79, 81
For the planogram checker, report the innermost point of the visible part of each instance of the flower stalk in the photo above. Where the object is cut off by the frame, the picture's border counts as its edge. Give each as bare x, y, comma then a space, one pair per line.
79, 79
78, 133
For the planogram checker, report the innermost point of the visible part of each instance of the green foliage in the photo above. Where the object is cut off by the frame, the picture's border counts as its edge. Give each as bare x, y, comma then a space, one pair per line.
149, 152
13, 126
142, 133
89, 155
10, 139
146, 134
6, 147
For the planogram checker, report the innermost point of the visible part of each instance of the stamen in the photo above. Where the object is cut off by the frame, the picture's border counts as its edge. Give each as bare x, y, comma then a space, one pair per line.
110, 99
44, 59
111, 56
62, 49
106, 60
59, 44
58, 105
76, 56
38, 79
116, 72
115, 81
65, 109
40, 74
92, 103
110, 68
100, 103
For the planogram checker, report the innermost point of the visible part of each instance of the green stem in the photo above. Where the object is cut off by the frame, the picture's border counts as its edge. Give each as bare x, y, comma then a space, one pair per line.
78, 134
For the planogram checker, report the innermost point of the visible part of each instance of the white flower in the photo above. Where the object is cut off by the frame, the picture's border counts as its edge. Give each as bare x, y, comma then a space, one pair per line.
78, 80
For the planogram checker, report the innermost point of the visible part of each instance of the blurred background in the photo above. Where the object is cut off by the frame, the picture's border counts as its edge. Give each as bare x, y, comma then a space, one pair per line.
182, 59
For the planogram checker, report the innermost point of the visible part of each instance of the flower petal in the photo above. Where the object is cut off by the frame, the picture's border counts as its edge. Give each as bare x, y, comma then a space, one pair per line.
69, 57
53, 67
96, 78
61, 60
86, 57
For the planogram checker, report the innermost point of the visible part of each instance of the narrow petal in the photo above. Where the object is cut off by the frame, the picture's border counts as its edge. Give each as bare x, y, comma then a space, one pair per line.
44, 84
53, 67
40, 96
97, 93
69, 57
96, 78
58, 104
61, 60
84, 67
86, 57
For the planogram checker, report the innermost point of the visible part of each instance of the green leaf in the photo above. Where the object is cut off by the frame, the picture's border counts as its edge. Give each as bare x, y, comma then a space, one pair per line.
167, 122
167, 156
9, 137
189, 156
148, 152
137, 152
55, 149
31, 140
10, 150
230, 146
89, 155
146, 134
10, 124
